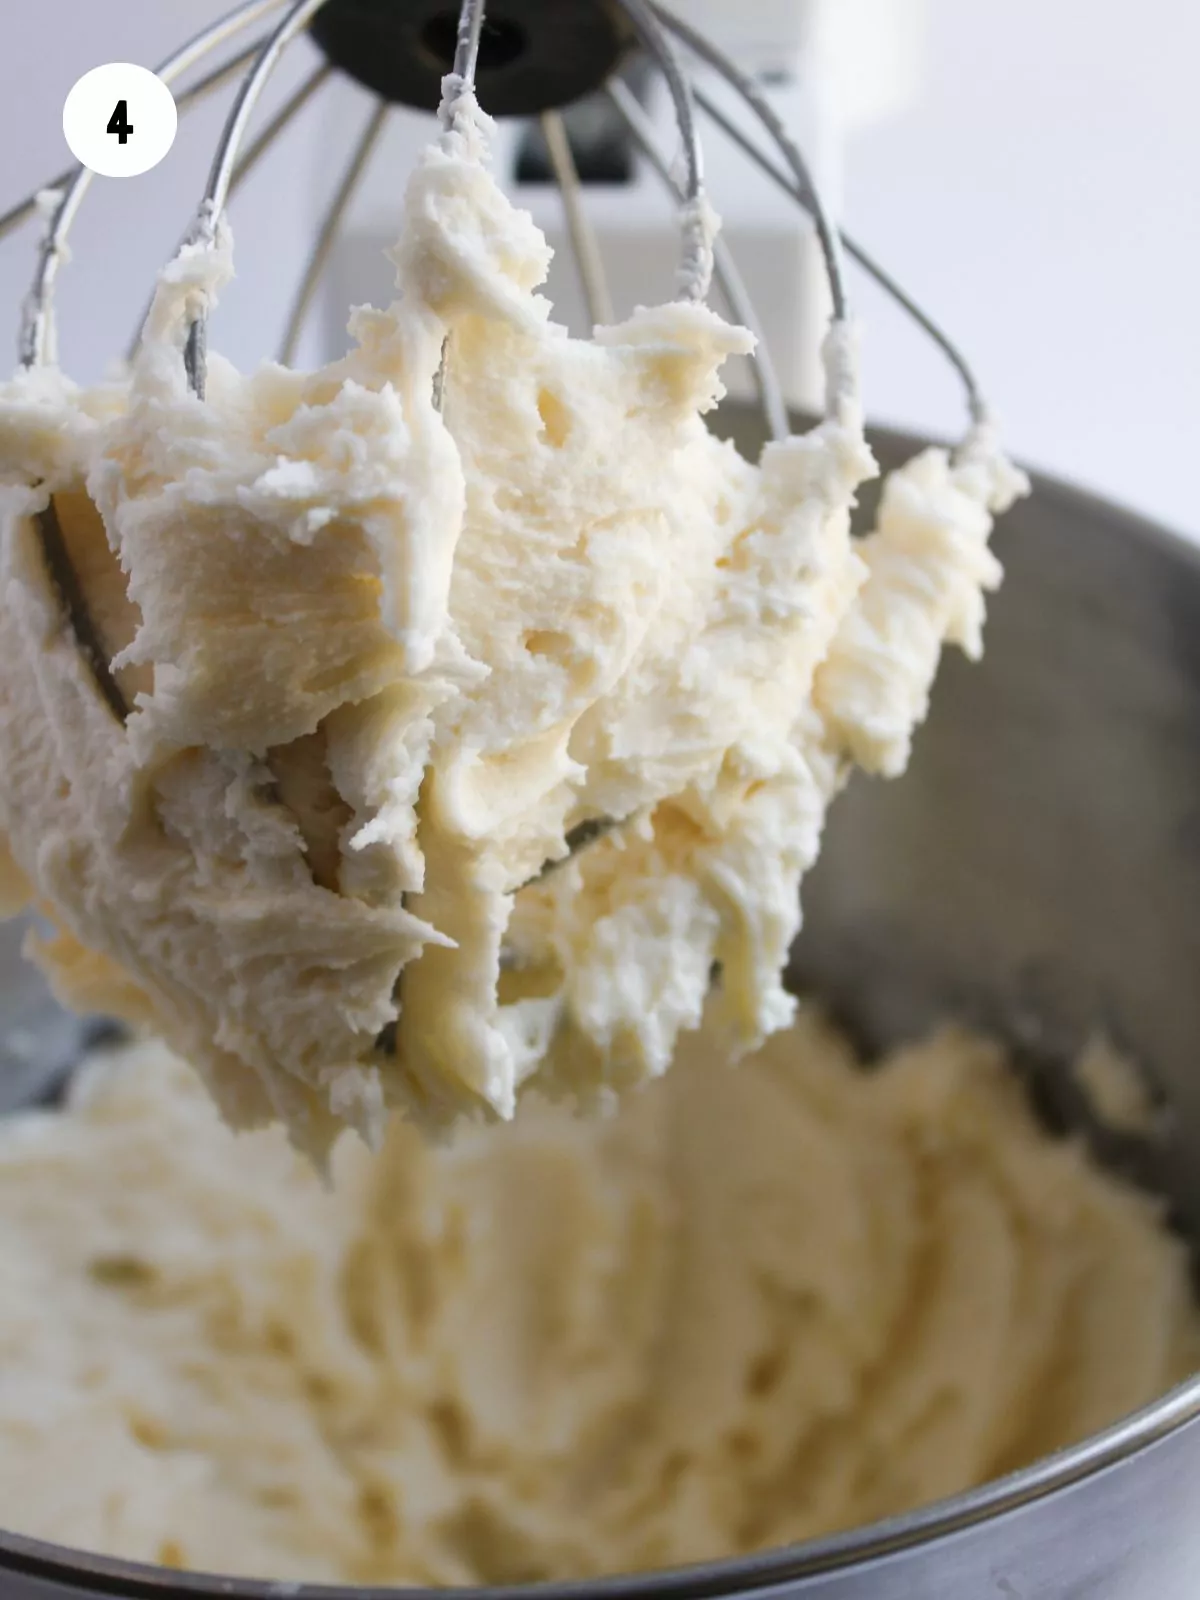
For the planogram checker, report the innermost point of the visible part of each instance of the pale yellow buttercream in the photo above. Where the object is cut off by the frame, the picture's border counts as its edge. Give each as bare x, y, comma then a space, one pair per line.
762, 1302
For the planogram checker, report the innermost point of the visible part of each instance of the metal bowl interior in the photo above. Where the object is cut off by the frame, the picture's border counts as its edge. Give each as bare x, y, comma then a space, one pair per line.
1037, 871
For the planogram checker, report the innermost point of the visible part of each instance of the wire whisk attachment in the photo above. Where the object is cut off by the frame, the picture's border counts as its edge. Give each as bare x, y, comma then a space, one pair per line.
521, 60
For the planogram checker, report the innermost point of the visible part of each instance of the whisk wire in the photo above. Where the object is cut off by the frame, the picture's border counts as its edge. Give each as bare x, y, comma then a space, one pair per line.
840, 383
466, 52
220, 177
278, 124
746, 87
585, 247
36, 339
328, 230
737, 299
696, 264
976, 404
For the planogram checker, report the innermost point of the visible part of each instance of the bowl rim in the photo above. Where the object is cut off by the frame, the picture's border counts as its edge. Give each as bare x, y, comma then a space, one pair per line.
1120, 1443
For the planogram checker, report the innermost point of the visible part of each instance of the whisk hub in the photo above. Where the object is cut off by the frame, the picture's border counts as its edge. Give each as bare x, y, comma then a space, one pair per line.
534, 55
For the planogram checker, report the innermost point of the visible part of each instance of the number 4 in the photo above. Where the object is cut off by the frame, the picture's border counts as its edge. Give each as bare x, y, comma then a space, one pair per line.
119, 122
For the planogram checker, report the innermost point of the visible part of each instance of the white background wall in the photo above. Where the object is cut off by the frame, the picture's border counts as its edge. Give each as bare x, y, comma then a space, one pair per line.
1042, 194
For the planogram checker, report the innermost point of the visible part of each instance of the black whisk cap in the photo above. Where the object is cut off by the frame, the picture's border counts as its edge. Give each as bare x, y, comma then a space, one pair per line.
534, 55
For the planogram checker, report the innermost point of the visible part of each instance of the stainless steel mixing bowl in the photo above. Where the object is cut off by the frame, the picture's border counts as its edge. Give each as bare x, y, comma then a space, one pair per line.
1038, 870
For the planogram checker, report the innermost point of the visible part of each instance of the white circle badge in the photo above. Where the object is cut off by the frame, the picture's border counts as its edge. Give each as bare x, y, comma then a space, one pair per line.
120, 120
